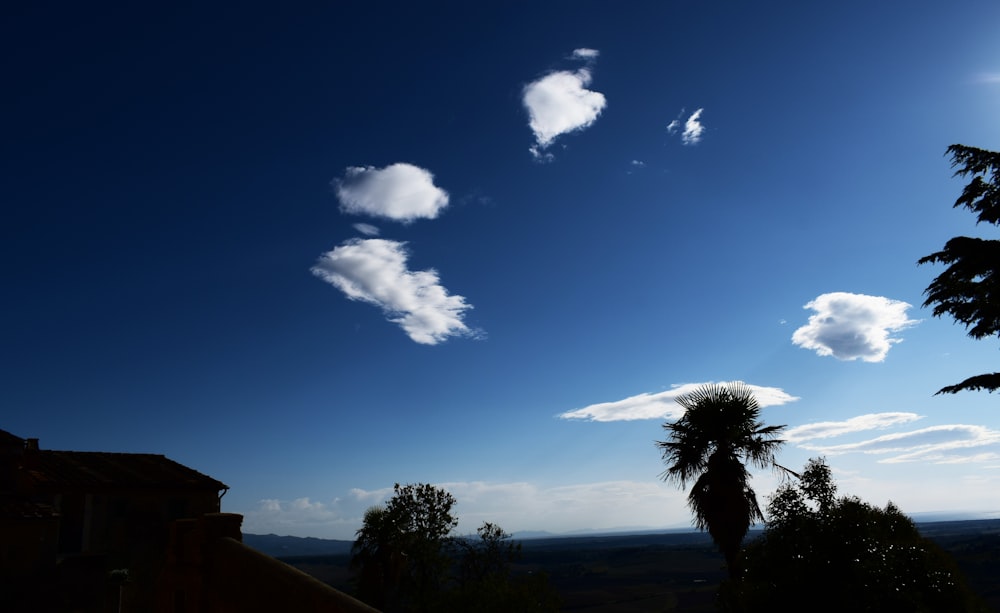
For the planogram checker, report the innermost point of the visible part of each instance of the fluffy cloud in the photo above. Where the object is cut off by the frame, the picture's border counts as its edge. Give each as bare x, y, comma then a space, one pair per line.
827, 429
663, 405
693, 128
402, 192
852, 326
937, 444
375, 271
560, 102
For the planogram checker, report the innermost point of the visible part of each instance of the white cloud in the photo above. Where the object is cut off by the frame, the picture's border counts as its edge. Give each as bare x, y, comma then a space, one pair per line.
635, 166
852, 326
375, 271
693, 128
584, 53
924, 445
367, 229
827, 429
975, 458
402, 192
988, 77
663, 405
559, 103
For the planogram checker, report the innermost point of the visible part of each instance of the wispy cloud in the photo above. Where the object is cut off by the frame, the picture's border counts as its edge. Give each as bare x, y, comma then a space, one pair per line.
367, 229
853, 326
401, 192
988, 77
861, 423
935, 444
375, 271
635, 166
662, 405
692, 127
559, 103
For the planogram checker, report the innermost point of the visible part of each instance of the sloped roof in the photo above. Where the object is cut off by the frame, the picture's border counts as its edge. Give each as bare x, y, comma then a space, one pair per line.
8, 440
97, 471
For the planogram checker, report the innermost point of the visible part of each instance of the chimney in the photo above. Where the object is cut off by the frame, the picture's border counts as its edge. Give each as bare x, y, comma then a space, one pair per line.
29, 460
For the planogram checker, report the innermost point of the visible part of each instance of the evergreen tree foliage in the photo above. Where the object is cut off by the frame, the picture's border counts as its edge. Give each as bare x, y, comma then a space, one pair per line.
969, 289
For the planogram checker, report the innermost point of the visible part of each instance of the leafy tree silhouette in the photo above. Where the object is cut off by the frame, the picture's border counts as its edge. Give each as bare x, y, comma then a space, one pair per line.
875, 557
969, 289
377, 559
486, 583
720, 431
401, 550
405, 559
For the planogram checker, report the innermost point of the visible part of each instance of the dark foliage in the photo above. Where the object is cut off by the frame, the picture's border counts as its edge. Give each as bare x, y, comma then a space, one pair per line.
400, 554
875, 557
405, 559
969, 289
486, 583
719, 432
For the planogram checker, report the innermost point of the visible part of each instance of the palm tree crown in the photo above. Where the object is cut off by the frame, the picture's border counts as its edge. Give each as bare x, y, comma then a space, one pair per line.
719, 433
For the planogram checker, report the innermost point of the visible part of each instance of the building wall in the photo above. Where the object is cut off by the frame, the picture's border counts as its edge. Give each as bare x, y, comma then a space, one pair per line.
27, 546
210, 570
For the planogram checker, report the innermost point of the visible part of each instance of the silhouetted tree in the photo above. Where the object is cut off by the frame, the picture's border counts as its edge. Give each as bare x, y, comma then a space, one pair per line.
852, 555
486, 583
969, 290
405, 559
719, 432
400, 553
377, 559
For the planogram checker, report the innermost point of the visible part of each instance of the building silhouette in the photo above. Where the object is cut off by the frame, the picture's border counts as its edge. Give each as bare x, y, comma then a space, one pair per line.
95, 531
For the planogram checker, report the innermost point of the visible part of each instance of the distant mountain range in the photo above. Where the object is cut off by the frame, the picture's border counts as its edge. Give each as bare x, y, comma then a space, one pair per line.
295, 546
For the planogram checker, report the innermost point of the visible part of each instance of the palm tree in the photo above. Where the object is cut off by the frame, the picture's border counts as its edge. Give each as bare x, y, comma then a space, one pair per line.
377, 558
710, 444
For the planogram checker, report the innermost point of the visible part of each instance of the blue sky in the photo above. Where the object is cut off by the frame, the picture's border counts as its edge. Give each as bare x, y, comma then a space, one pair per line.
313, 251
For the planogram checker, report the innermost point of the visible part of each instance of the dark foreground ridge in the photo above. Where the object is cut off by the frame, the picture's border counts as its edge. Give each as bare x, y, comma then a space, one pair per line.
625, 572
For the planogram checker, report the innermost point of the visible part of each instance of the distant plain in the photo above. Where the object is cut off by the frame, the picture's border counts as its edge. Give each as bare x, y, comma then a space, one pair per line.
629, 573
